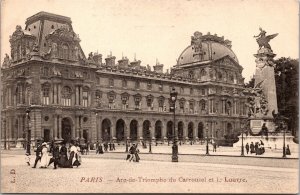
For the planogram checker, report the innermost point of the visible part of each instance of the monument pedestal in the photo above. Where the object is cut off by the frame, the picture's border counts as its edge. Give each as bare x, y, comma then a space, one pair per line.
273, 141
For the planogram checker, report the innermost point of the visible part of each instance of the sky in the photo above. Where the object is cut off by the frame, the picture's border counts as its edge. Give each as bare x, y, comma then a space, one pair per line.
162, 29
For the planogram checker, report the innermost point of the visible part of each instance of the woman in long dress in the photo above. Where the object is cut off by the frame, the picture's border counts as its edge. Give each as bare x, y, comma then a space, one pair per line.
45, 156
63, 156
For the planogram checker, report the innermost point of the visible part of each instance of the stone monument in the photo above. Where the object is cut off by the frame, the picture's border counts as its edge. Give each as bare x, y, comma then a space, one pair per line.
265, 99
262, 101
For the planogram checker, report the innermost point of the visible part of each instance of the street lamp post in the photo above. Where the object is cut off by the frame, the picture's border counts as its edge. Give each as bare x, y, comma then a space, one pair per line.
28, 132
4, 125
242, 151
173, 95
284, 150
126, 145
207, 151
150, 150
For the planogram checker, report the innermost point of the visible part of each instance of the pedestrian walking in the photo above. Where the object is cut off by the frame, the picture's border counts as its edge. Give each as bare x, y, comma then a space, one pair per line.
97, 147
45, 157
252, 148
256, 148
110, 146
113, 146
288, 151
38, 153
55, 155
100, 149
27, 158
247, 148
214, 147
63, 155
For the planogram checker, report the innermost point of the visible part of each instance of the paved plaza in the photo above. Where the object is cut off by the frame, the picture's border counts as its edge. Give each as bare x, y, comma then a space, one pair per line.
109, 172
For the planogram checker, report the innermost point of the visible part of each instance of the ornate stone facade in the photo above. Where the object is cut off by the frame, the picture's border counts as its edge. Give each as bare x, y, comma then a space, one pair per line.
71, 96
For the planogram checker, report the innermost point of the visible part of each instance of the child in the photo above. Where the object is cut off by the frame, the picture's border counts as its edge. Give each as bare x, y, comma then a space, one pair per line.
27, 159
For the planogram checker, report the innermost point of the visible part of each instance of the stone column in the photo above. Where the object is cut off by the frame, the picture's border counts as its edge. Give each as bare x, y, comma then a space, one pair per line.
55, 127
113, 132
93, 134
54, 93
80, 95
59, 94
76, 95
77, 126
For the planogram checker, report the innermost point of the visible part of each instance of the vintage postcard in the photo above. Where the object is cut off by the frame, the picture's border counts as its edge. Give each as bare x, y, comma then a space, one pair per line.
144, 96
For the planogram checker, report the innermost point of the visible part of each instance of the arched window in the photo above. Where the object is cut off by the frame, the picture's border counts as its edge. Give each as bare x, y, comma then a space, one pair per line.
66, 96
65, 51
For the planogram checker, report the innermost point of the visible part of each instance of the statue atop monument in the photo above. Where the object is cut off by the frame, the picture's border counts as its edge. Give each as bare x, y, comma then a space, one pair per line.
263, 40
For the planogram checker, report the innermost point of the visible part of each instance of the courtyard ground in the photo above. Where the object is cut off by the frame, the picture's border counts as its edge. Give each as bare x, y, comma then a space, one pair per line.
109, 172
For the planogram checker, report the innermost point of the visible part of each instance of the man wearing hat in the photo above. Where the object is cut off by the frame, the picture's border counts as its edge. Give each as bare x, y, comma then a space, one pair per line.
38, 153
55, 152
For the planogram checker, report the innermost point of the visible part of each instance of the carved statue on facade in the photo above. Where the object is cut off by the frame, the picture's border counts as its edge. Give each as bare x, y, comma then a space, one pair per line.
257, 103
263, 40
6, 61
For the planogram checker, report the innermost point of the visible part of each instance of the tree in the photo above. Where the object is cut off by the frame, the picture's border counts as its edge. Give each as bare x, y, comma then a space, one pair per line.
250, 83
286, 78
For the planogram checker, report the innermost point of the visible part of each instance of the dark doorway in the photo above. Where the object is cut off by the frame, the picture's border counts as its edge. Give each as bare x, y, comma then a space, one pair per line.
133, 130
200, 130
146, 130
169, 130
158, 127
66, 130
106, 130
191, 130
46, 135
85, 135
180, 130
120, 130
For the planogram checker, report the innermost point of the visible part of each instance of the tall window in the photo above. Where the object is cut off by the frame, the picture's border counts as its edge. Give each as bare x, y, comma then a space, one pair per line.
46, 95
125, 97
137, 101
65, 52
191, 91
46, 71
161, 101
111, 82
85, 97
137, 85
124, 83
149, 85
111, 100
98, 97
160, 87
181, 104
202, 105
192, 108
150, 102
66, 96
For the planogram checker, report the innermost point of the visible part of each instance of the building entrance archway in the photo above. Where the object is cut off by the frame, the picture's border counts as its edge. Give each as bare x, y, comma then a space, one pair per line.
180, 130
120, 130
200, 130
66, 130
170, 130
133, 130
158, 129
191, 130
106, 131
146, 130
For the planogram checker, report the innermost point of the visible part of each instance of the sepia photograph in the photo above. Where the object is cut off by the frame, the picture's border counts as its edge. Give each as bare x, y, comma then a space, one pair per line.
149, 96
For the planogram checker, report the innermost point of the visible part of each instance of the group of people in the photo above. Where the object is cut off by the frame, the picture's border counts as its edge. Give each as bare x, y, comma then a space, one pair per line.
56, 153
133, 154
99, 147
257, 148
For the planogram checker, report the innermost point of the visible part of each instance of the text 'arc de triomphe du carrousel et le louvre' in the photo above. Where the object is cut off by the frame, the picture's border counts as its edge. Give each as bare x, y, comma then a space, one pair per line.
52, 91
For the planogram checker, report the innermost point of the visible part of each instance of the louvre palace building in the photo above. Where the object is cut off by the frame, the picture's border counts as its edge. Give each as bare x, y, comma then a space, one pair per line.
52, 91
